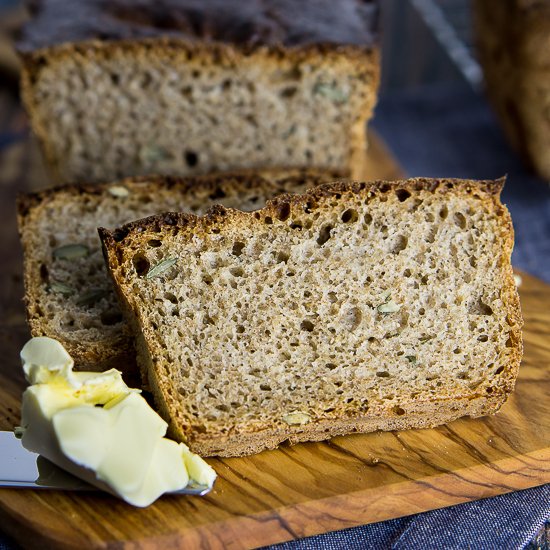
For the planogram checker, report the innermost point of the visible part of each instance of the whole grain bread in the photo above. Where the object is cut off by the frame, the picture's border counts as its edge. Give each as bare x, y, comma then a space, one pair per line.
183, 87
351, 308
68, 293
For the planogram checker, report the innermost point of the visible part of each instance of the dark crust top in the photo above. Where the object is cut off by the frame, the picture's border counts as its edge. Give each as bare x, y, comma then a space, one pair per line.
248, 23
252, 179
309, 199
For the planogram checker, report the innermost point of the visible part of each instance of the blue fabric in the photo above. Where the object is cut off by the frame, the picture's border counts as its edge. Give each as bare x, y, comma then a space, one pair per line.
505, 522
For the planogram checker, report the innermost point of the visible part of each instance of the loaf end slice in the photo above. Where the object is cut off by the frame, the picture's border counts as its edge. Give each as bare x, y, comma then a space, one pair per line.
187, 108
351, 308
68, 293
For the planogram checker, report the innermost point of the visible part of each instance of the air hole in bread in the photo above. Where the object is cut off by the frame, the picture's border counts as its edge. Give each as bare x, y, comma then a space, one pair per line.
111, 317
383, 374
331, 366
268, 220
288, 92
237, 248
444, 212
480, 308
402, 194
307, 325
499, 370
207, 279
283, 211
240, 329
483, 338
154, 243
400, 244
236, 271
432, 232
368, 219
459, 220
324, 234
170, 297
218, 193
352, 318
407, 273
191, 158
44, 273
141, 264
349, 216
265, 387
398, 411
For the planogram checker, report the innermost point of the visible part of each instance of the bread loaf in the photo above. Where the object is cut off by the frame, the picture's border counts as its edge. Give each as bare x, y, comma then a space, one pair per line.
513, 39
350, 308
68, 294
181, 87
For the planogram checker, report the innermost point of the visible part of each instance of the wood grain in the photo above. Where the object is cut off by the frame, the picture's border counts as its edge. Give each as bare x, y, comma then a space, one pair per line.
294, 491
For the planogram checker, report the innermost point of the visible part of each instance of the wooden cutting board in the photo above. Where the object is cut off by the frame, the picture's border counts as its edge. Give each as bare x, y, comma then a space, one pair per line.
295, 491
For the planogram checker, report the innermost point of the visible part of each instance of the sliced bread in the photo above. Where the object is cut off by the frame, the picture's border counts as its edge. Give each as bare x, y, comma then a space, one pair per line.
351, 308
184, 87
68, 294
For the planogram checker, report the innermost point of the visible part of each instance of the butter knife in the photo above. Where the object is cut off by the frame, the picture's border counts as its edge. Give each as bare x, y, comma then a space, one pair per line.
20, 468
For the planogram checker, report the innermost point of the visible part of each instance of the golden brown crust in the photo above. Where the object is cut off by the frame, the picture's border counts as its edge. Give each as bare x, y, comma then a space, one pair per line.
426, 415
217, 214
365, 60
117, 245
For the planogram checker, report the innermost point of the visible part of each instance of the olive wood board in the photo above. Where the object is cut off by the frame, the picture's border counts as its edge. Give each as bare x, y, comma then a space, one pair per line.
290, 492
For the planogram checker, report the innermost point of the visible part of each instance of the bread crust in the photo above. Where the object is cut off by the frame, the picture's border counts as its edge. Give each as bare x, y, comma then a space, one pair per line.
117, 247
363, 60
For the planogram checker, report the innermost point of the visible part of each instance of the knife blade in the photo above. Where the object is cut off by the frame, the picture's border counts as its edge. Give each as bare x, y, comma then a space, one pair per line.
20, 468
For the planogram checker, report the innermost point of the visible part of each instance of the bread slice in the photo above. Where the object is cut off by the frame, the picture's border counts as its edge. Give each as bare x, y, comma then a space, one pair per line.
187, 87
68, 293
351, 308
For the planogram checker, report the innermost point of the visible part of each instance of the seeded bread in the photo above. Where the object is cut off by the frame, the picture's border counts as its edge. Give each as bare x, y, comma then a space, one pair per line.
513, 39
351, 308
180, 87
68, 294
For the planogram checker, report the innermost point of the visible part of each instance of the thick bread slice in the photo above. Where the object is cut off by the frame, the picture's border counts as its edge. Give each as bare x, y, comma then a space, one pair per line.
351, 308
68, 294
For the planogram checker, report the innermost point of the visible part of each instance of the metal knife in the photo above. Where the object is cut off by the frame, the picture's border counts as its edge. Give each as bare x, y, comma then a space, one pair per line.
23, 469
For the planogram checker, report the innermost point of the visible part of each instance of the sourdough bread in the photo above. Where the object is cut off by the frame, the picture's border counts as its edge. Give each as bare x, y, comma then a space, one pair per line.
68, 294
350, 308
183, 87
